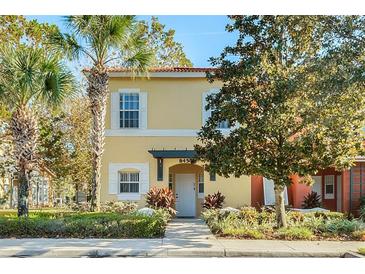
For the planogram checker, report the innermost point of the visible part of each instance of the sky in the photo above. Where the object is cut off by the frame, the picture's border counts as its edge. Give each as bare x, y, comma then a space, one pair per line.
201, 36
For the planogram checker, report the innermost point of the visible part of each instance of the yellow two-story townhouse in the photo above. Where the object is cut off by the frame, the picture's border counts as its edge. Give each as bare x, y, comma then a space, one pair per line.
151, 129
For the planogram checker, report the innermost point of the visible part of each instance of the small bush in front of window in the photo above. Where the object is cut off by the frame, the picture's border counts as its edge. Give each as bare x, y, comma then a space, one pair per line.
161, 198
214, 201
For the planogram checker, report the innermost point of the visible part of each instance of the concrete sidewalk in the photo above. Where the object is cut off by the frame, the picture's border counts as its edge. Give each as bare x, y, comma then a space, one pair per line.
184, 238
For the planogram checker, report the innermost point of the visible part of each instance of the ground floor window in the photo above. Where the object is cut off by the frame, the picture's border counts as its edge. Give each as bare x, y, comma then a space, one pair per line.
129, 182
329, 187
171, 177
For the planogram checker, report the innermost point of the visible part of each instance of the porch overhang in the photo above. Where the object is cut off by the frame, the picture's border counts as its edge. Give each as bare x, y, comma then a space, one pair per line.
160, 154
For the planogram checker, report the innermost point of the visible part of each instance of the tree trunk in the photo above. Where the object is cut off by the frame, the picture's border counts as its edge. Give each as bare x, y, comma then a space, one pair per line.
280, 206
50, 193
11, 191
77, 194
23, 194
98, 93
24, 128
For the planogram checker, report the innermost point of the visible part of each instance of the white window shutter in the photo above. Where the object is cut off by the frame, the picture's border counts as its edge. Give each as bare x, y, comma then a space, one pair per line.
115, 110
143, 110
269, 192
144, 179
113, 179
205, 113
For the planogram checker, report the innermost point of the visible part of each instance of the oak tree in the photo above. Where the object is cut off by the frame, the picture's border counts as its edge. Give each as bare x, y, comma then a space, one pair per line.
293, 94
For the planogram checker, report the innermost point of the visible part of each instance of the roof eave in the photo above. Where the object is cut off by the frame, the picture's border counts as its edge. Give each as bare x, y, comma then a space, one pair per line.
158, 75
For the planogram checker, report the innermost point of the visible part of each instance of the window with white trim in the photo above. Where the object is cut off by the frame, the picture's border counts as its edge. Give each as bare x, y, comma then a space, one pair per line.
329, 186
208, 113
171, 179
223, 124
129, 110
201, 183
129, 182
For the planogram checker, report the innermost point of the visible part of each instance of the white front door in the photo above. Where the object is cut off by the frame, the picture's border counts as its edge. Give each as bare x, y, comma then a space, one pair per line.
185, 195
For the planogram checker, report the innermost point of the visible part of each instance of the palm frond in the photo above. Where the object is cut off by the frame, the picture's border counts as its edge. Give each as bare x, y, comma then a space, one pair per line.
28, 74
67, 43
80, 24
58, 82
139, 61
101, 35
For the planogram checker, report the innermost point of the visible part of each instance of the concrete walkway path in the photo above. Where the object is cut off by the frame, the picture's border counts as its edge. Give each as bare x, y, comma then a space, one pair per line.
183, 238
189, 238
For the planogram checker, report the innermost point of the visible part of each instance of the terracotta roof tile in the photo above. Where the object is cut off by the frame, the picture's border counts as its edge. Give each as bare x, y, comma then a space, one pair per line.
161, 69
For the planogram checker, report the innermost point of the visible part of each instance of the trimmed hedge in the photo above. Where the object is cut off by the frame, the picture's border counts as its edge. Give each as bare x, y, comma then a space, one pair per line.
82, 225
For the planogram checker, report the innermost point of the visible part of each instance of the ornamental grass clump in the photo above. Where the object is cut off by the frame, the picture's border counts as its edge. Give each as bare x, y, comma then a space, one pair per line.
294, 233
244, 232
342, 227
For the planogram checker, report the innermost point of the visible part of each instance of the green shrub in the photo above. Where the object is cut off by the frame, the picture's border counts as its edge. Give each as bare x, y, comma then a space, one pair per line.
294, 217
313, 223
362, 213
212, 217
337, 226
359, 235
362, 208
119, 207
243, 232
362, 250
331, 215
294, 233
300, 225
267, 218
250, 215
84, 225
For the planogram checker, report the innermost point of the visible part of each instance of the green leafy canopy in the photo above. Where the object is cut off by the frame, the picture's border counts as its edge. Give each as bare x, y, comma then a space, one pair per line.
293, 92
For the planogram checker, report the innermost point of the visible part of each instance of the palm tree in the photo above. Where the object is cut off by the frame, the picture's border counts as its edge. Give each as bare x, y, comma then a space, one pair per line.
29, 77
103, 41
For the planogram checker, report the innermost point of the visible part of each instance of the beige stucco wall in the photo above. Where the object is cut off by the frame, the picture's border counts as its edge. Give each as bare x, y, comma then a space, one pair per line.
173, 103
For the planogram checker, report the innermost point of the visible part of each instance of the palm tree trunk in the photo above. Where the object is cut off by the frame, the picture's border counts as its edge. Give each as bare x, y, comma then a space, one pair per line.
280, 206
24, 128
98, 94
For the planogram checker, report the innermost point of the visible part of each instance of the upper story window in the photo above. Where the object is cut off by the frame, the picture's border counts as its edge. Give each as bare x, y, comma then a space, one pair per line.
129, 110
208, 113
223, 124
129, 182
